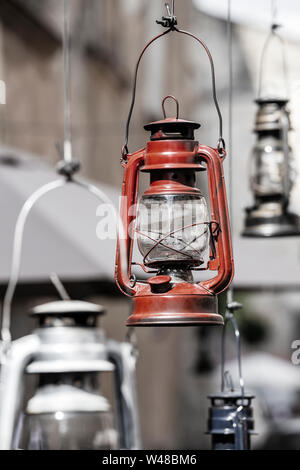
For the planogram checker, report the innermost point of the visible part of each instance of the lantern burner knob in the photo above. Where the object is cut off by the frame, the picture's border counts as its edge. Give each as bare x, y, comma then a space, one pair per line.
160, 284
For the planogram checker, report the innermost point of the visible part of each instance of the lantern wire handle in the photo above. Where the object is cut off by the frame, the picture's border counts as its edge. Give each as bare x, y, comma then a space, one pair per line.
273, 35
170, 23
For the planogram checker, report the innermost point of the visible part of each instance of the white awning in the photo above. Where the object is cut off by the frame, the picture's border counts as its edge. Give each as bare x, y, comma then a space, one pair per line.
60, 234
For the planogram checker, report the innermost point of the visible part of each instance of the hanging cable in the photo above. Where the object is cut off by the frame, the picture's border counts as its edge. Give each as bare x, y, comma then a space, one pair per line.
230, 106
230, 112
67, 91
231, 305
274, 9
67, 166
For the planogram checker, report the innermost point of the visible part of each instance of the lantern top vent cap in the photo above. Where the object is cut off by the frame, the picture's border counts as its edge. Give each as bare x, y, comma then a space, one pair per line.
67, 308
172, 127
280, 102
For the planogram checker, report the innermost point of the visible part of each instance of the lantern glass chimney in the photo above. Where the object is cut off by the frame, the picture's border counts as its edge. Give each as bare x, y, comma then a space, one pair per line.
172, 229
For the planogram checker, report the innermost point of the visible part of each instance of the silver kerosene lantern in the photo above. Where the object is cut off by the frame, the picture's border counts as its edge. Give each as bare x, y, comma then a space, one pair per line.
272, 173
69, 355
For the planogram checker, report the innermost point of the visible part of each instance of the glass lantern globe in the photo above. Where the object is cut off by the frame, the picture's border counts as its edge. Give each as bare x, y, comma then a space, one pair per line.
63, 417
172, 229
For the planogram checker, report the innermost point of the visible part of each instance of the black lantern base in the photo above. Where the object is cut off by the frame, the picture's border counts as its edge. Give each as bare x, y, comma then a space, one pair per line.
284, 225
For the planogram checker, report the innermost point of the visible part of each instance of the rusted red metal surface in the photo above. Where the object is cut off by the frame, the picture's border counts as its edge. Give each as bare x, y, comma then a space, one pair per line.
161, 301
171, 157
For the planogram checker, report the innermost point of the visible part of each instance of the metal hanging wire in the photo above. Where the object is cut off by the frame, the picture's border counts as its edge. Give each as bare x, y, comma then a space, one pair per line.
67, 167
232, 305
273, 35
67, 84
230, 113
229, 145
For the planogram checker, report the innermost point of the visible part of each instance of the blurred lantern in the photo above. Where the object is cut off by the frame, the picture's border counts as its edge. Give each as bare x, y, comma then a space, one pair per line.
230, 421
68, 410
271, 174
272, 171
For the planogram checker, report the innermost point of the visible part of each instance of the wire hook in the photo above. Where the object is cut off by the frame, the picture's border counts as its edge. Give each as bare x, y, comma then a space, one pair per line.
169, 21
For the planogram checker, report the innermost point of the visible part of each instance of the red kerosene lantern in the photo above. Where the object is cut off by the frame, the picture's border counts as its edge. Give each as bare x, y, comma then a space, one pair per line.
172, 224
